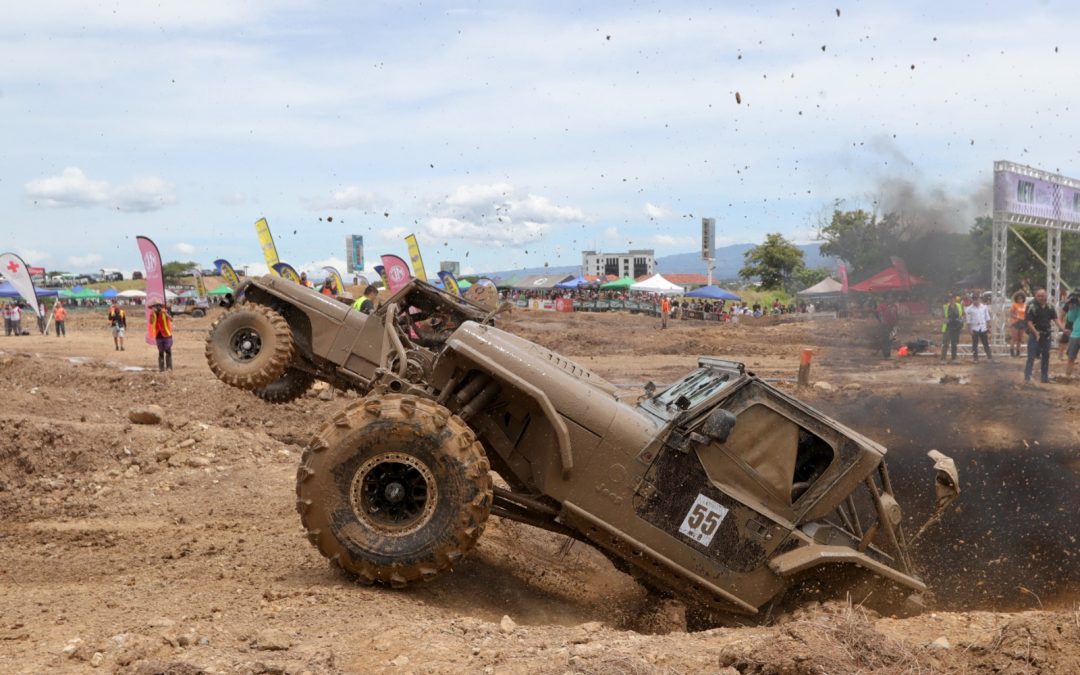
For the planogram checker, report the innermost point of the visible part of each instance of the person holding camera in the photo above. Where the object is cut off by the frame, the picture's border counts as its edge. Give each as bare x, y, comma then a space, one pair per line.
1039, 318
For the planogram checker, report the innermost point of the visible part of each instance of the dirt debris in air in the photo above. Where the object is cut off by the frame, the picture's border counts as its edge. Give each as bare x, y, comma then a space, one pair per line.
174, 546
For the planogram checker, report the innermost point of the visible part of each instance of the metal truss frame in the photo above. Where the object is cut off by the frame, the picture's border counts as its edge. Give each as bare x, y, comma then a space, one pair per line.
1004, 221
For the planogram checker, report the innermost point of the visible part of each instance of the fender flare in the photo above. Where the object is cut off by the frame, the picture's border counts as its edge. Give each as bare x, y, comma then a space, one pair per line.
562, 435
815, 555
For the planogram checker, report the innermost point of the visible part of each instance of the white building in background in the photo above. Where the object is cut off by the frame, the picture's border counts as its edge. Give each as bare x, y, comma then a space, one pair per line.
634, 263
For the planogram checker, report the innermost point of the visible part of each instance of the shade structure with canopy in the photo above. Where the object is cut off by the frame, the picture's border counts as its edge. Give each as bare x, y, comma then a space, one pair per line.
540, 282
220, 290
712, 293
133, 293
8, 291
109, 293
618, 284
464, 284
657, 284
576, 282
80, 293
888, 280
827, 286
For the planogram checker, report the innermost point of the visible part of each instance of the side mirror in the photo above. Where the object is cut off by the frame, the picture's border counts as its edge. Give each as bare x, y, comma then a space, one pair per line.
718, 425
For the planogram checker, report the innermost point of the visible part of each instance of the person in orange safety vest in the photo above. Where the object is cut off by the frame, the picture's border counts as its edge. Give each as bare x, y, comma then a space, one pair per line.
160, 328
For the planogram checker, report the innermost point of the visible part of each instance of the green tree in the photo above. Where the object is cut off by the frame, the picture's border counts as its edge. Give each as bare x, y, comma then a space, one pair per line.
175, 269
861, 239
773, 262
1021, 262
805, 277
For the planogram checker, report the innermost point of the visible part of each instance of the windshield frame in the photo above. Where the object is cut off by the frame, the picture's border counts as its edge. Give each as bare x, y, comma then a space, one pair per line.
729, 373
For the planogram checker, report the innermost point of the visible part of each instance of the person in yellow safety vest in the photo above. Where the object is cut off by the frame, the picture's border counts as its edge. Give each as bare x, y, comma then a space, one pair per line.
366, 302
160, 328
952, 321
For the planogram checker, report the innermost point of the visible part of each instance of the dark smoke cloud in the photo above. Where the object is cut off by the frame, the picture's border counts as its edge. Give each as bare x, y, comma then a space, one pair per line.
925, 205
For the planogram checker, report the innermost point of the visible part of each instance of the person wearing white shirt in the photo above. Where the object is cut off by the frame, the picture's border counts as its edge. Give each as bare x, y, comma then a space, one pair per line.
977, 316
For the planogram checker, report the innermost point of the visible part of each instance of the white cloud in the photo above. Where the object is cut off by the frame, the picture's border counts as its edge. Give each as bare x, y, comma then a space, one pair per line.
85, 261
612, 233
655, 212
671, 240
72, 188
314, 268
184, 248
496, 214
501, 234
351, 197
395, 233
233, 199
143, 194
254, 269
33, 257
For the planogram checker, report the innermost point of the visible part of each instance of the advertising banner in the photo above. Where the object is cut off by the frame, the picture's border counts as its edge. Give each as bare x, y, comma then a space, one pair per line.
564, 305
155, 282
381, 271
227, 272
1025, 191
18, 275
354, 253
397, 272
266, 241
414, 256
339, 285
450, 283
708, 238
286, 271
200, 285
841, 269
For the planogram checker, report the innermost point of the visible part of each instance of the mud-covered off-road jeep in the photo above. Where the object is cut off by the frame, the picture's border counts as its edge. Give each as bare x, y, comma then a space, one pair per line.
719, 489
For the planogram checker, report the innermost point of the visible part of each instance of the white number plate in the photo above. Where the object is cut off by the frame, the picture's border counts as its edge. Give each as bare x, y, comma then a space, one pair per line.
703, 520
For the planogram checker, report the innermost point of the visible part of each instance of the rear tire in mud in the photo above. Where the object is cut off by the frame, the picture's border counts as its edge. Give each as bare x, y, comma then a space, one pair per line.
289, 387
394, 489
249, 347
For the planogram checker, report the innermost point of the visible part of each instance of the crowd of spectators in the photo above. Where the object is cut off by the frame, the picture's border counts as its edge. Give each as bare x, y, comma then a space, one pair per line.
682, 307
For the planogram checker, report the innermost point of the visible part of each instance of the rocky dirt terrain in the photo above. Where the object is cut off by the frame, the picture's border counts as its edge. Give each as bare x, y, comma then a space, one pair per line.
138, 539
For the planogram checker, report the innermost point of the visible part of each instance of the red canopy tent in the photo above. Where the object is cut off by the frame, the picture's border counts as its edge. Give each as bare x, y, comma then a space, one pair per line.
889, 280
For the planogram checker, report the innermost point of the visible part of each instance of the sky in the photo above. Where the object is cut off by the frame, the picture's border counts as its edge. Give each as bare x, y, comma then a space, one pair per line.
509, 134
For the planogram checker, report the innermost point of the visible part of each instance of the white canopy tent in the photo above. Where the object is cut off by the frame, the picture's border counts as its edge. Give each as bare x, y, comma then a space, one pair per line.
657, 284
131, 294
827, 286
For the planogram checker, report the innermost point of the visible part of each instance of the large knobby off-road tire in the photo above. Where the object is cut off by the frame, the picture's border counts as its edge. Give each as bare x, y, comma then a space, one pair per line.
394, 489
249, 347
289, 387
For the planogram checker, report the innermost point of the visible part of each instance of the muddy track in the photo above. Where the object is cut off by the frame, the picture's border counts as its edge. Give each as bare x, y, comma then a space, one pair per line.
176, 547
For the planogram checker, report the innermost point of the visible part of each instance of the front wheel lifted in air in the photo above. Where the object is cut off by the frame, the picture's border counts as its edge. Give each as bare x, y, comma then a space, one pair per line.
394, 489
249, 347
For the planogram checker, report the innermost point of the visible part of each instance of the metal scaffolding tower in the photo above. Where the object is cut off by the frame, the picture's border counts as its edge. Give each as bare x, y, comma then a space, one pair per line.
1029, 197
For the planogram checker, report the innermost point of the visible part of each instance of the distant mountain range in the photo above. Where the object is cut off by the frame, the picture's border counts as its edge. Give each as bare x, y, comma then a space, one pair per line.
729, 260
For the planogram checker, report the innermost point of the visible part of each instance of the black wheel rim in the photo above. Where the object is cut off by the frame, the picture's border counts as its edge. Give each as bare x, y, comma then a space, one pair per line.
394, 493
245, 344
